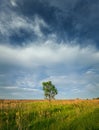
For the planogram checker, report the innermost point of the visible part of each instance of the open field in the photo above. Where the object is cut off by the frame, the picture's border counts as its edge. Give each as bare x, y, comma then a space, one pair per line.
44, 115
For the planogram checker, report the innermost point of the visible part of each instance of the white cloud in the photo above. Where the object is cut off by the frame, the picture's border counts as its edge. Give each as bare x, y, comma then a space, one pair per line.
13, 22
38, 22
48, 54
26, 80
90, 71
29, 25
75, 90
32, 90
11, 87
13, 3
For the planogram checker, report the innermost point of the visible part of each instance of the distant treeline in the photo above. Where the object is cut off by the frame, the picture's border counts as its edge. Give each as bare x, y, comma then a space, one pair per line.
96, 98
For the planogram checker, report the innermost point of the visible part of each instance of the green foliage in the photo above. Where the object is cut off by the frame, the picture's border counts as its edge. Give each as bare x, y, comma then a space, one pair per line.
49, 90
82, 115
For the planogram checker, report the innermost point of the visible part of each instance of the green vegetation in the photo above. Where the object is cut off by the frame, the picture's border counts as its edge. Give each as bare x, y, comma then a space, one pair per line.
49, 90
56, 115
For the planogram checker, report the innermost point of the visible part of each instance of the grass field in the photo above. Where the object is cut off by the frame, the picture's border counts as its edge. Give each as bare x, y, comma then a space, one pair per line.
56, 115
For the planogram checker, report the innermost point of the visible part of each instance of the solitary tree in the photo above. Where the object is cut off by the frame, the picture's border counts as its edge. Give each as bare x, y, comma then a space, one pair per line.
49, 90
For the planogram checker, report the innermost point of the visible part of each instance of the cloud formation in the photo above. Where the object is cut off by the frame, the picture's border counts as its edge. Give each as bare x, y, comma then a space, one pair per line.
70, 68
19, 25
49, 53
69, 20
53, 40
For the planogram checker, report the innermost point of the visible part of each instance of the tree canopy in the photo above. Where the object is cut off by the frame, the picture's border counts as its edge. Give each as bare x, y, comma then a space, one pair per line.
49, 90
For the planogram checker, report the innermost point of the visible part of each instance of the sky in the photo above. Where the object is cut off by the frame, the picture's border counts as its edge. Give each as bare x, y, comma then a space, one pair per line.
49, 40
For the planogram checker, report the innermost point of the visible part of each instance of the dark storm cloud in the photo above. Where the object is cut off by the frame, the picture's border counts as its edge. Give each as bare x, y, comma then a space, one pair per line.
81, 18
18, 26
67, 19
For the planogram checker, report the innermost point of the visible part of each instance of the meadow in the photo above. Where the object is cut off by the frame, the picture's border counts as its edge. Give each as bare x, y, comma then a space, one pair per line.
45, 115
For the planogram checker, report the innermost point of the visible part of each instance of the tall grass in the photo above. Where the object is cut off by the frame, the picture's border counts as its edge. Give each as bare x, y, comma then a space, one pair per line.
57, 115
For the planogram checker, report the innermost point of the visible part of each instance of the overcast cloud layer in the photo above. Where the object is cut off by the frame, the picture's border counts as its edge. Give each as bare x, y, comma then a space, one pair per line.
43, 40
